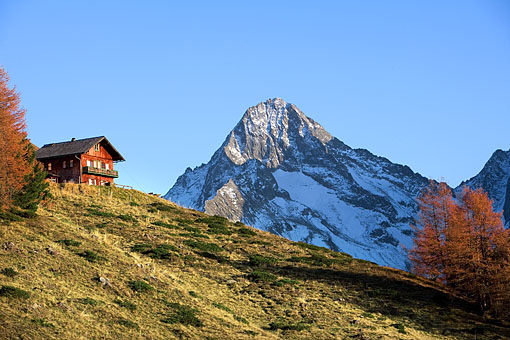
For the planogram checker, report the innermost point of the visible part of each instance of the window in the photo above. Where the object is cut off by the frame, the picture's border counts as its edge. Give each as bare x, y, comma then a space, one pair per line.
90, 181
71, 163
64, 164
89, 163
96, 147
49, 166
95, 164
107, 166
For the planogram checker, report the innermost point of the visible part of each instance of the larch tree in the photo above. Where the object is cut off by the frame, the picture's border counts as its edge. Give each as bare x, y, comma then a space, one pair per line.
462, 243
14, 167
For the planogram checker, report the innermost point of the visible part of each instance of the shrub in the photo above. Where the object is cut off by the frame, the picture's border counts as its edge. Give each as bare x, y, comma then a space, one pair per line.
194, 294
199, 235
89, 301
239, 224
315, 259
261, 276
217, 228
91, 256
13, 292
127, 218
220, 220
126, 304
160, 252
241, 319
222, 307
204, 246
142, 247
70, 243
191, 229
95, 212
246, 232
42, 323
162, 206
286, 326
400, 328
182, 314
134, 204
127, 323
259, 260
140, 286
9, 272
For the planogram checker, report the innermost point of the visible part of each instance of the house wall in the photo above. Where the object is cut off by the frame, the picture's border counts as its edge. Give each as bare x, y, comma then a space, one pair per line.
67, 174
99, 156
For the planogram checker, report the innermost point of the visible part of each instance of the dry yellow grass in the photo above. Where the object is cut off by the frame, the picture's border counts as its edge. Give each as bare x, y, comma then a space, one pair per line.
290, 291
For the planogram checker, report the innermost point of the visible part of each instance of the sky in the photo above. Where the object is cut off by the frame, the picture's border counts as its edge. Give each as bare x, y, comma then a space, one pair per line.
422, 83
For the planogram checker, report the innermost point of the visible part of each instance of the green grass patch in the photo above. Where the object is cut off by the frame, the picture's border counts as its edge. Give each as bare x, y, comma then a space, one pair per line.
262, 276
195, 235
318, 260
140, 286
126, 218
219, 229
13, 292
127, 323
219, 220
223, 307
259, 260
69, 242
95, 212
42, 323
400, 327
246, 232
182, 314
91, 256
204, 246
162, 251
89, 301
125, 304
9, 272
305, 245
162, 206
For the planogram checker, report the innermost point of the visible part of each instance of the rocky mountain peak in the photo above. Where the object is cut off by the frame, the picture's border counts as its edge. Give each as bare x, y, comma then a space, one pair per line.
268, 130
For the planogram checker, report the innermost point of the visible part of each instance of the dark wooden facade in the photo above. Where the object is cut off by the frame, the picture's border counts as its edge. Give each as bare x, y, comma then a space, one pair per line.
88, 160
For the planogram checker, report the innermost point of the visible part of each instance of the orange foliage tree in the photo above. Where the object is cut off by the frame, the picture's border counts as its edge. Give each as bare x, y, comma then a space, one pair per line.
462, 243
14, 165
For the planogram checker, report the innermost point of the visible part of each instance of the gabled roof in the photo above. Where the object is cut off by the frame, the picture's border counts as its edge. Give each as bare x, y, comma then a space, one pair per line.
76, 147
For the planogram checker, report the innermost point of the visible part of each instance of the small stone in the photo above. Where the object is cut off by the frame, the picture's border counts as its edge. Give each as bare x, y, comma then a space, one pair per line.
231, 282
105, 282
51, 251
8, 246
354, 322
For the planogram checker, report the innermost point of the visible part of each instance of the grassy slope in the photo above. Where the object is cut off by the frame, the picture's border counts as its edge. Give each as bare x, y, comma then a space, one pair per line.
323, 295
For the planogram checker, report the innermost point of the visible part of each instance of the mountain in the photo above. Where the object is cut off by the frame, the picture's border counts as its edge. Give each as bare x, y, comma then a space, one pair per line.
494, 178
281, 171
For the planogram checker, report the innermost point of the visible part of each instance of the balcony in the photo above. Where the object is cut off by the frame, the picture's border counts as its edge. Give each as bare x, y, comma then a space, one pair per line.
101, 172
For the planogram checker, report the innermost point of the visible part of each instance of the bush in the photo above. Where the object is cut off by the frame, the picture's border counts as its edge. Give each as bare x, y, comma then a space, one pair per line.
222, 307
89, 301
261, 276
126, 304
127, 323
217, 228
284, 281
400, 328
259, 260
199, 235
126, 218
95, 212
9, 272
246, 232
70, 243
287, 326
182, 314
310, 246
140, 286
43, 323
160, 252
162, 206
91, 256
194, 294
204, 246
220, 220
316, 260
13, 292
239, 224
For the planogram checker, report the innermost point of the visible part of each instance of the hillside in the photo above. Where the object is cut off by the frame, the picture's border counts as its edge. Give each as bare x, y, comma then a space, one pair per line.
109, 263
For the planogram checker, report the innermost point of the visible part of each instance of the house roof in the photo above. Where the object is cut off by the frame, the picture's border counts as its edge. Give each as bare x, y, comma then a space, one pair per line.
76, 147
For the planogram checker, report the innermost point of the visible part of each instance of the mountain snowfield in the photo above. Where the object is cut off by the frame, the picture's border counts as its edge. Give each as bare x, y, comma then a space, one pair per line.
279, 170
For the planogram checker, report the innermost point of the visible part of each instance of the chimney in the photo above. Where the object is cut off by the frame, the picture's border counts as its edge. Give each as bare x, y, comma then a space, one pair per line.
73, 139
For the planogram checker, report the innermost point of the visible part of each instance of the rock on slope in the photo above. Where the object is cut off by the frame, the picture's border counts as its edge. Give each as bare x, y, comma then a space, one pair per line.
280, 171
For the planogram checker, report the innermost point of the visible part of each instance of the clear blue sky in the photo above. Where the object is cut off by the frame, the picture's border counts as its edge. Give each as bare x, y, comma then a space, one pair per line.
424, 83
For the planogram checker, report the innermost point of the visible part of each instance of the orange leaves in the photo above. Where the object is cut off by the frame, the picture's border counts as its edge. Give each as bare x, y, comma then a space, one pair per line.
13, 163
463, 244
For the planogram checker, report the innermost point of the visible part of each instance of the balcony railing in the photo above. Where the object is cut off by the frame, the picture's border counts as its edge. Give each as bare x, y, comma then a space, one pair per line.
101, 172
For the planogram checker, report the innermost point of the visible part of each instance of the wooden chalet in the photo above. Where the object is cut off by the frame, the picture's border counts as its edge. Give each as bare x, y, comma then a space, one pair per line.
87, 160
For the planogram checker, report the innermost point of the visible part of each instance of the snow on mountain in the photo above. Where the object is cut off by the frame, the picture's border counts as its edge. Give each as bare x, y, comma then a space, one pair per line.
280, 171
495, 180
